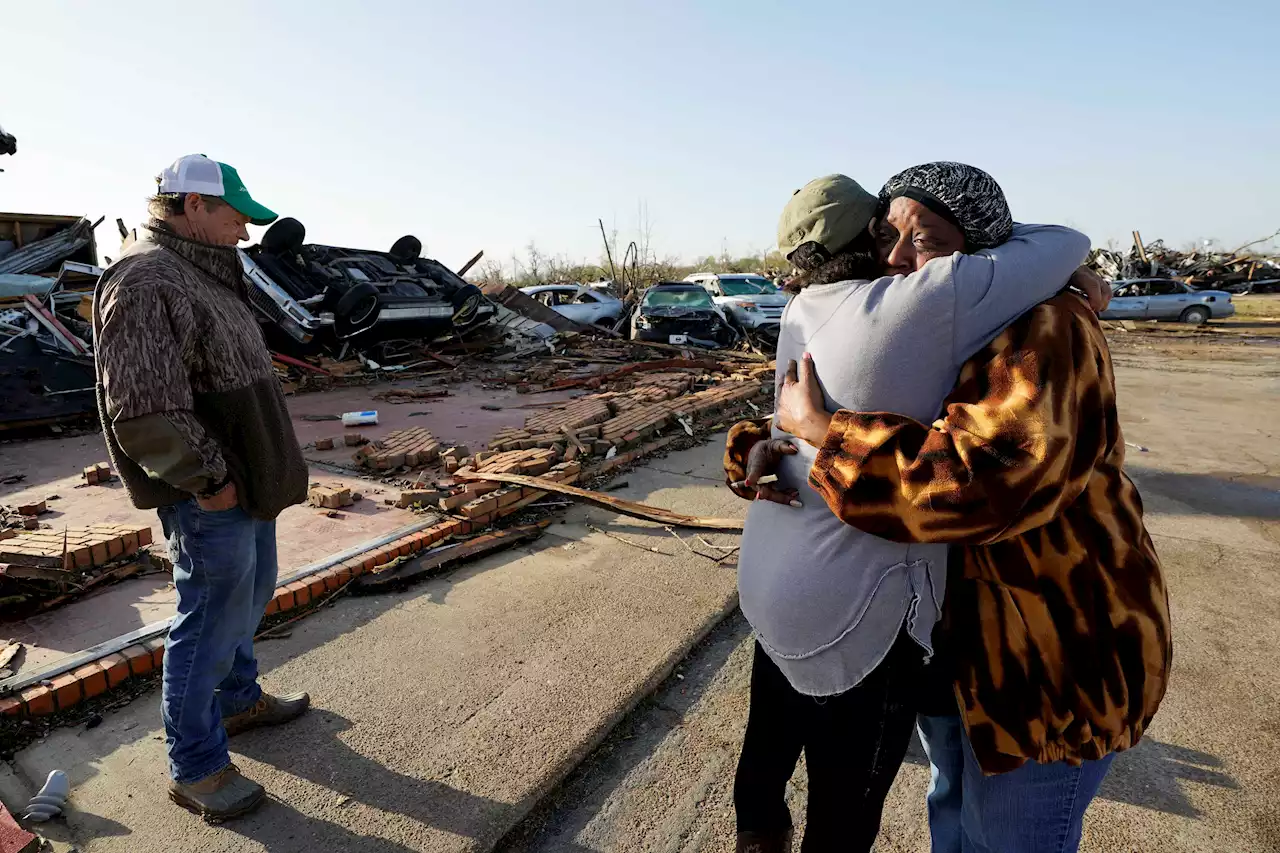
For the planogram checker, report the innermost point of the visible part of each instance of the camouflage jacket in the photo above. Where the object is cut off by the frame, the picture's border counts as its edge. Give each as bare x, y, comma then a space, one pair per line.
1056, 614
186, 389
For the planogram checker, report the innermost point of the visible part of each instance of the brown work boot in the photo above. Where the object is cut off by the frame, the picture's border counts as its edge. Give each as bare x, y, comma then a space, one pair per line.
222, 796
270, 711
765, 842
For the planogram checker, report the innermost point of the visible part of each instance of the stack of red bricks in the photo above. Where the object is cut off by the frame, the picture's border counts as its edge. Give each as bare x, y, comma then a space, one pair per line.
74, 548
579, 413
329, 497
719, 397
653, 387
99, 473
531, 462
494, 500
404, 447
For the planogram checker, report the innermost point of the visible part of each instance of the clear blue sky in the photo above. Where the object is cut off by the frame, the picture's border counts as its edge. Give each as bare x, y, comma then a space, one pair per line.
485, 125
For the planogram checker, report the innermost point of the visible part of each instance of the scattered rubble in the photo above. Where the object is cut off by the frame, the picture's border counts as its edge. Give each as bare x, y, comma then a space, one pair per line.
1240, 271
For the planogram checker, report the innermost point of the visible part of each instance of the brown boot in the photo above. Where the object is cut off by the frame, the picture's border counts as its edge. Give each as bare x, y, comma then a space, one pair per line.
270, 711
765, 842
222, 796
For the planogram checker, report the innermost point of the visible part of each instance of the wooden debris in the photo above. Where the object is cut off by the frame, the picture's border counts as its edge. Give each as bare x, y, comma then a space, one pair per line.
636, 510
8, 653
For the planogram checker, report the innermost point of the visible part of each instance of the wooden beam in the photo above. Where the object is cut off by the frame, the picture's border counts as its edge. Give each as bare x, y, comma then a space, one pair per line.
1142, 250
636, 510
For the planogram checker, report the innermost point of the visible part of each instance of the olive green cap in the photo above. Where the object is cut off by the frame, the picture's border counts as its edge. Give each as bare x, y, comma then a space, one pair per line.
830, 211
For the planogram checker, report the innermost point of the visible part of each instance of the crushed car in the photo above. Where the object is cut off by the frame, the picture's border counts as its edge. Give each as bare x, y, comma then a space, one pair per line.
681, 312
316, 294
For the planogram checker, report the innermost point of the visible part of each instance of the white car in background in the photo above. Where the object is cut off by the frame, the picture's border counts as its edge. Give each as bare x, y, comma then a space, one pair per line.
586, 305
752, 302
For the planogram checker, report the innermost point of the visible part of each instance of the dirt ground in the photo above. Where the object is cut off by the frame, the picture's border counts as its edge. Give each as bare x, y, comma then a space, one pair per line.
1200, 409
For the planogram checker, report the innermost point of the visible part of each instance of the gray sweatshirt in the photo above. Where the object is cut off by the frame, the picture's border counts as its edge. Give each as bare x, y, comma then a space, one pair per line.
825, 599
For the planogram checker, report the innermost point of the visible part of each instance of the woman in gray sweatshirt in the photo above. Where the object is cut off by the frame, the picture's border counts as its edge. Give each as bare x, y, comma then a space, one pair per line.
843, 619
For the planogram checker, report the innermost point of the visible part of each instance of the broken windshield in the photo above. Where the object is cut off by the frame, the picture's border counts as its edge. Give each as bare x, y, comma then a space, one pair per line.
691, 298
746, 286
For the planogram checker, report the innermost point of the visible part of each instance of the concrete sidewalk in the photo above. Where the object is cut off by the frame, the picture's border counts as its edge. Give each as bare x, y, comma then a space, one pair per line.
1203, 779
442, 715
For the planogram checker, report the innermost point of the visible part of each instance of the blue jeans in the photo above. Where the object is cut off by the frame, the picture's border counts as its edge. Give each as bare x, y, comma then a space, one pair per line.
224, 569
1038, 808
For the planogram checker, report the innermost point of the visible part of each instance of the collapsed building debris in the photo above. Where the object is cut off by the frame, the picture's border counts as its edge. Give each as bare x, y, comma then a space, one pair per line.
1239, 271
47, 274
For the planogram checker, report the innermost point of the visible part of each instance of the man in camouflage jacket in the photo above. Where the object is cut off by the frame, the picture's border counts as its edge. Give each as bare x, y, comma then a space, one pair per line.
196, 424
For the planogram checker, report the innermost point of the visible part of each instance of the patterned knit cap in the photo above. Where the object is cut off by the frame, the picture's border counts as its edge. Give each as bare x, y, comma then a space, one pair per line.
964, 195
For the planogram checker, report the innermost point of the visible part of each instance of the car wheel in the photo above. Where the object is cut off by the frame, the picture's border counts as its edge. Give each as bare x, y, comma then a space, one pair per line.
406, 248
285, 236
1196, 315
358, 306
466, 302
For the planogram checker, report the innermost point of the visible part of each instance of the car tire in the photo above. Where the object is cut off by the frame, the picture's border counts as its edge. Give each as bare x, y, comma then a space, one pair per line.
466, 302
285, 236
358, 307
1196, 315
406, 249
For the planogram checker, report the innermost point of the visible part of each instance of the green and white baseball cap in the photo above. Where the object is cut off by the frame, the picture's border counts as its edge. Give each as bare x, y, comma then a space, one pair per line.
196, 173
830, 210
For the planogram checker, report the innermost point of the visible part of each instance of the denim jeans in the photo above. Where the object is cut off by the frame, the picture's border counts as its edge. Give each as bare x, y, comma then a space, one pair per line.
1038, 808
224, 569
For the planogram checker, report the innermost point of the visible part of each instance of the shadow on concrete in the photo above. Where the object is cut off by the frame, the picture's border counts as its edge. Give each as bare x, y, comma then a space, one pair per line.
1150, 775
1215, 493
88, 826
565, 813
329, 762
280, 828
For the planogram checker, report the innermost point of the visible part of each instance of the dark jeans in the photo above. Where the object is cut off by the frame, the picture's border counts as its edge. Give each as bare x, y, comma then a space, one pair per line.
853, 745
224, 568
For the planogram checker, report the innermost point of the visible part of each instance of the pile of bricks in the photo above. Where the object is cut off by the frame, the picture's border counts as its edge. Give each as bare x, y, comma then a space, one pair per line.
74, 548
99, 473
718, 397
411, 447
329, 497
494, 500
455, 457
510, 439
531, 462
579, 413
634, 425
662, 386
